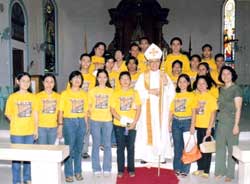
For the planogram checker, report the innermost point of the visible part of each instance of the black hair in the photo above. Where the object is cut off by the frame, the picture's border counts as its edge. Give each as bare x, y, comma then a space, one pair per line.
208, 74
18, 77
97, 75
131, 58
124, 73
177, 62
108, 58
195, 56
207, 46
73, 74
85, 55
54, 78
218, 56
233, 73
189, 88
206, 78
92, 53
134, 44
144, 38
176, 38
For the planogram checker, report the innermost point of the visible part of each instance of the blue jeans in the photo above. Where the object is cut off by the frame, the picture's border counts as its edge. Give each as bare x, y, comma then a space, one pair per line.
73, 131
178, 128
16, 165
47, 135
125, 141
101, 132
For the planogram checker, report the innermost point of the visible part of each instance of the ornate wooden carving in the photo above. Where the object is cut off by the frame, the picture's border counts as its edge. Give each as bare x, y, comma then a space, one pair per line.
136, 18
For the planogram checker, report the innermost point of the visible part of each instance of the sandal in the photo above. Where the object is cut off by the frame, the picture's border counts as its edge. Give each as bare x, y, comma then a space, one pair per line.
131, 174
78, 177
205, 175
120, 175
197, 173
227, 179
69, 179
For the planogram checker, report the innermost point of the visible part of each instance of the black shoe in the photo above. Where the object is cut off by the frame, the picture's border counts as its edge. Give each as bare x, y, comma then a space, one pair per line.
143, 162
183, 174
177, 173
85, 155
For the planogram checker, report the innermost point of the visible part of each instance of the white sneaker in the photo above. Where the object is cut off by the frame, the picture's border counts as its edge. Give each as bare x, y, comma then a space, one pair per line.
97, 174
106, 173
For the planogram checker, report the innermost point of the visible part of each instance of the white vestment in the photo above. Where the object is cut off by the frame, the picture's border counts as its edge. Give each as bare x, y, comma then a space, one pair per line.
161, 145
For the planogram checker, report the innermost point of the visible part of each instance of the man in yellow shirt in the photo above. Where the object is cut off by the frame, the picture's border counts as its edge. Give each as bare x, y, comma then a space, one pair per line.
176, 45
135, 52
207, 57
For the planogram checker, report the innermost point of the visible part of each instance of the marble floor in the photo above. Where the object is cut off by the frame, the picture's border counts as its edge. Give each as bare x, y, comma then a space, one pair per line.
89, 178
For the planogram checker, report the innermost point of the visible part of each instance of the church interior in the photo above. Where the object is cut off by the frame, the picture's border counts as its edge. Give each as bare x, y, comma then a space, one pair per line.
48, 36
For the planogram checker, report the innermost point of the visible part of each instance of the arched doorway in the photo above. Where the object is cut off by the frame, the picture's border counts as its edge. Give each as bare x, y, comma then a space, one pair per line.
19, 39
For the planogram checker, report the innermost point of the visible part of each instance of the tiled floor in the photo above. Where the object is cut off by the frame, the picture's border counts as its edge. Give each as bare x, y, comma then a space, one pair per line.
5, 167
5, 172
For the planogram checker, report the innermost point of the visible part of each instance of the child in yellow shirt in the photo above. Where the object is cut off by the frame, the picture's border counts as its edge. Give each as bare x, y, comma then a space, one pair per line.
73, 123
48, 103
132, 66
176, 71
126, 108
182, 112
21, 110
101, 122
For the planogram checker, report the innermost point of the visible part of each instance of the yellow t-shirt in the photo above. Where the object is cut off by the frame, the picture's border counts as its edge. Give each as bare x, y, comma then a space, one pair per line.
171, 58
122, 68
95, 60
48, 105
74, 104
215, 75
192, 75
125, 102
142, 62
205, 105
134, 79
114, 80
88, 83
214, 91
183, 104
211, 63
20, 108
99, 104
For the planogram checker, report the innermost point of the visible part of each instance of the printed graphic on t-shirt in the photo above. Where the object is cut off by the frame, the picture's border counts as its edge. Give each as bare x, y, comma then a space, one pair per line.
112, 82
201, 107
180, 105
77, 105
101, 101
24, 109
85, 86
49, 106
126, 103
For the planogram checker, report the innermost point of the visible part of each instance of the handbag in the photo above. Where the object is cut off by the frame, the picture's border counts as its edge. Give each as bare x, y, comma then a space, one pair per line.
208, 146
192, 155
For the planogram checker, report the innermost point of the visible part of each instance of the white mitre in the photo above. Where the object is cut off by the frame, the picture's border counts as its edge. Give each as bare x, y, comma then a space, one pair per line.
153, 52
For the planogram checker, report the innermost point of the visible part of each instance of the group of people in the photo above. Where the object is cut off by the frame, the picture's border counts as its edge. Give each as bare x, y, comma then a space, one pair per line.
134, 104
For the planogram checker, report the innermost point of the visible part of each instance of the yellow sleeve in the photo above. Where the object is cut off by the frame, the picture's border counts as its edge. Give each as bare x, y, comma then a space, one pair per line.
172, 106
113, 100
9, 106
61, 102
86, 105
